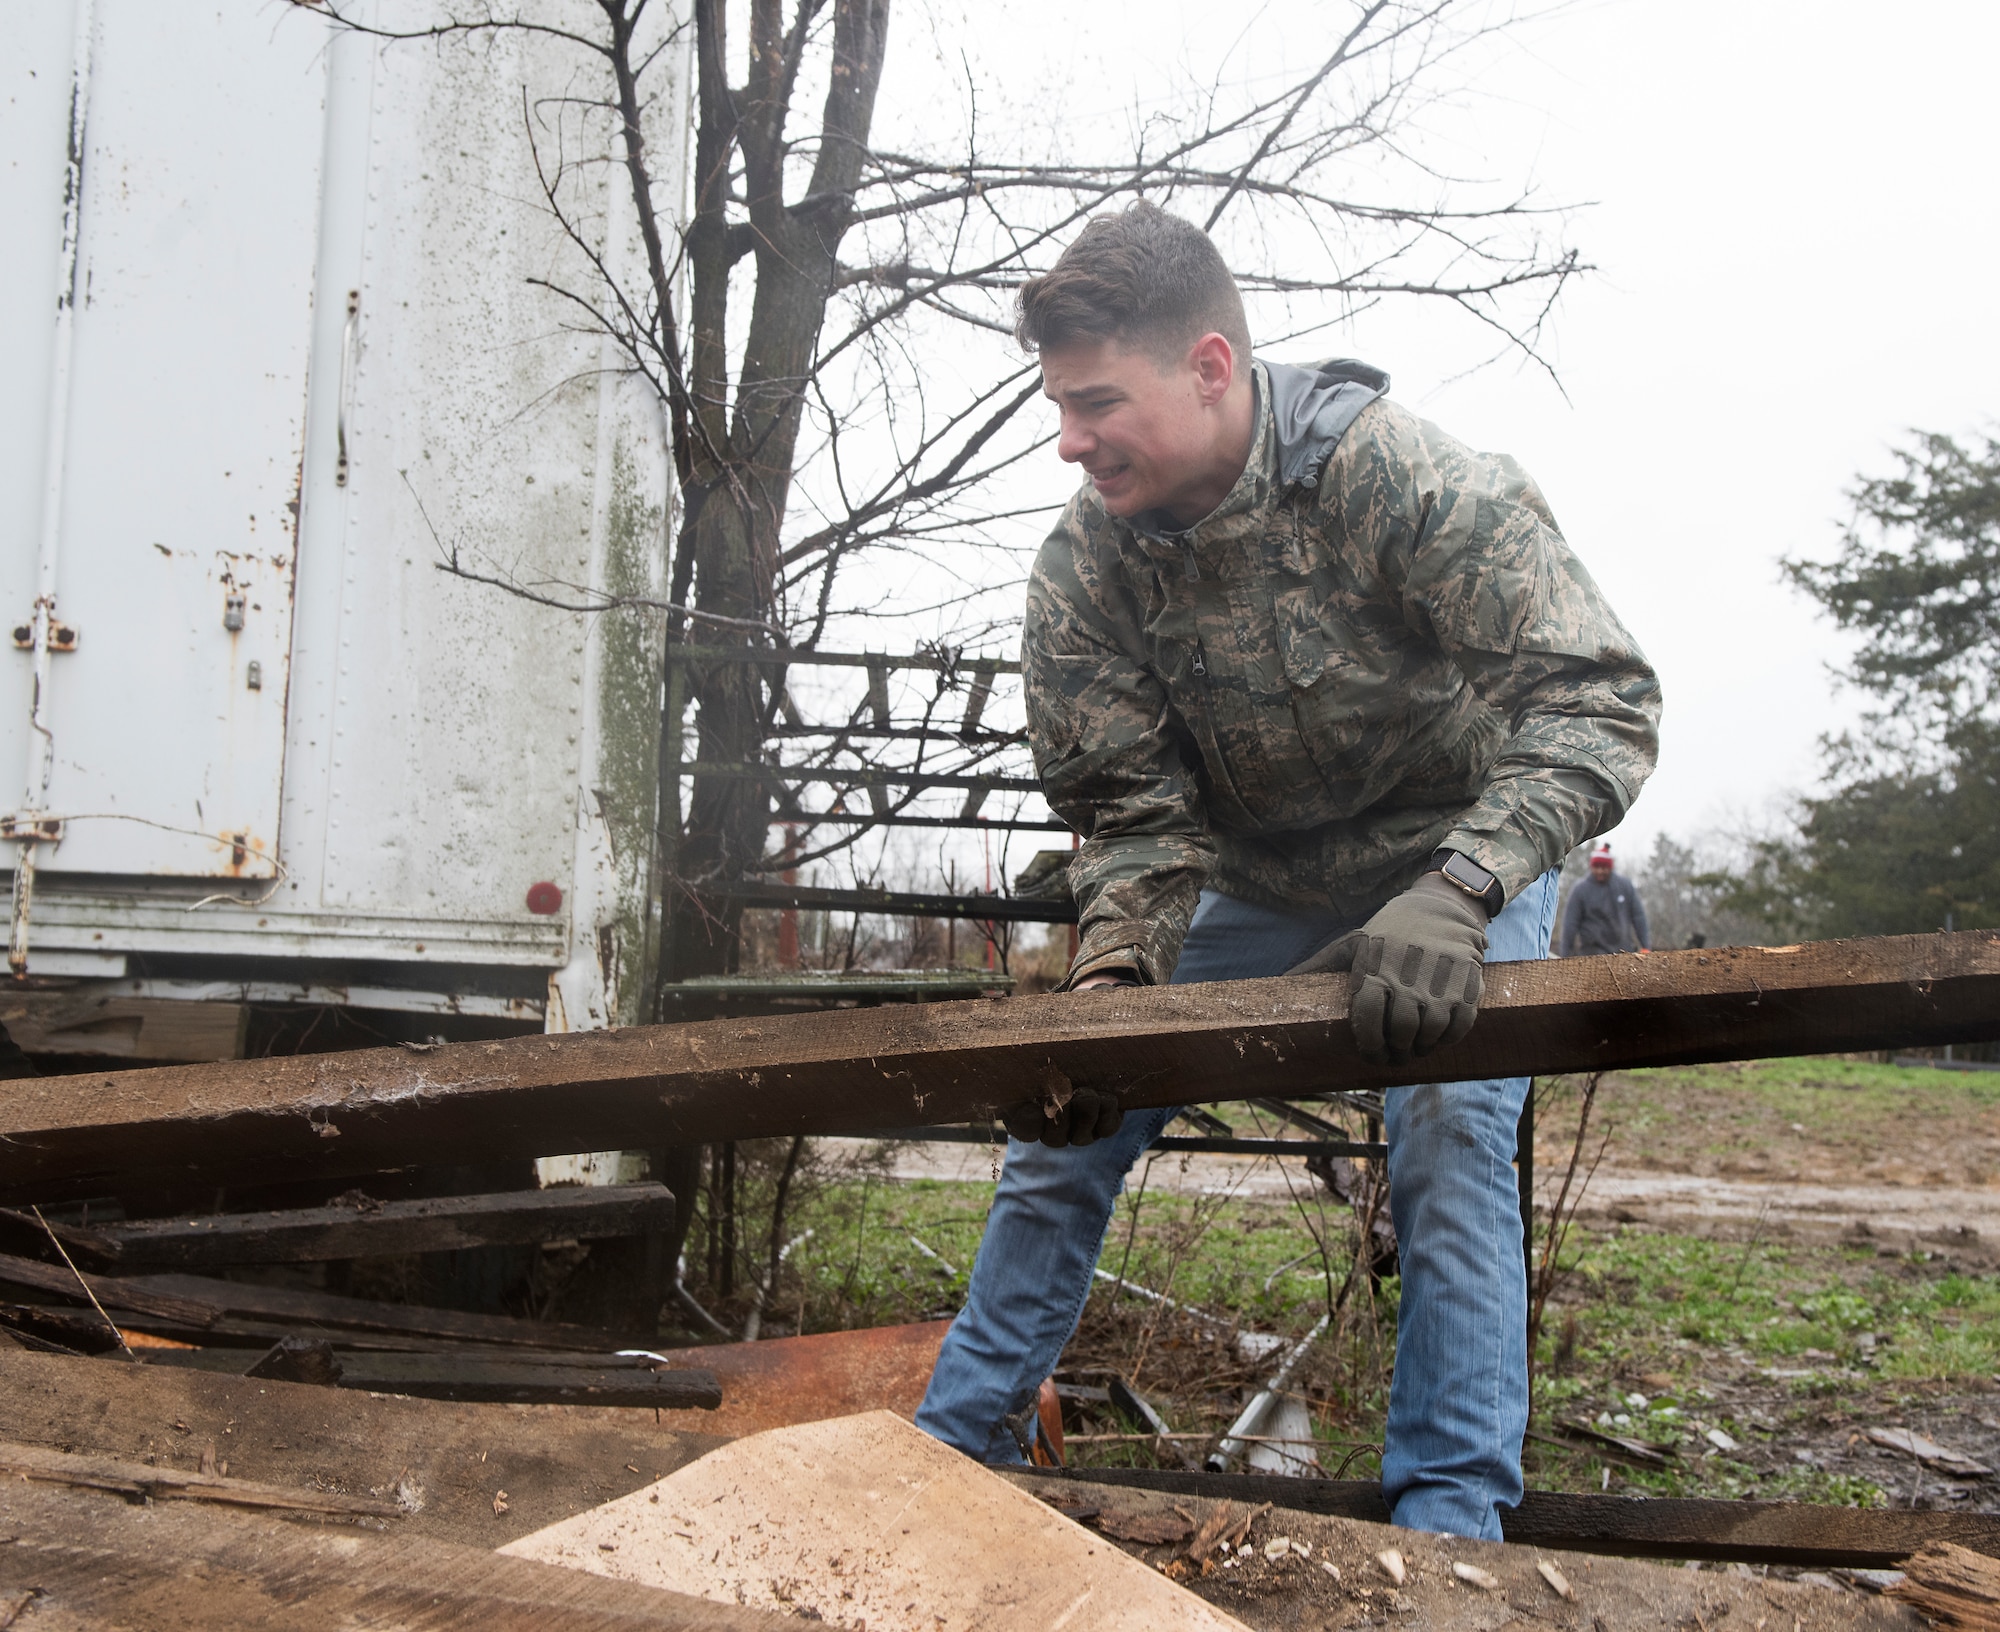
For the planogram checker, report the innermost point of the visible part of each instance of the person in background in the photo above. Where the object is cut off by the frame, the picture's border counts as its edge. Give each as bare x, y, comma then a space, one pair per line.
1605, 913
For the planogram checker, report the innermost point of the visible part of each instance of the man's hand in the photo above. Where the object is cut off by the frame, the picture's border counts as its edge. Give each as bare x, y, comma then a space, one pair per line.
1090, 1114
1418, 966
1065, 1115
1106, 977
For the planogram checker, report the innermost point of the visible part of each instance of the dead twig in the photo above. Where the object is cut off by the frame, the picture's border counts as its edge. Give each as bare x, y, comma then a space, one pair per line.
123, 1347
1561, 1216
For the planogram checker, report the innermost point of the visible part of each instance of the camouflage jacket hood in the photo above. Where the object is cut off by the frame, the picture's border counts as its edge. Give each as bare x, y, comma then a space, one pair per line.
1311, 409
1377, 644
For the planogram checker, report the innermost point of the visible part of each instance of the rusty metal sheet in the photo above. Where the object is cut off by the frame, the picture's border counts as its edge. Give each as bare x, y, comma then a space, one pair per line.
790, 1380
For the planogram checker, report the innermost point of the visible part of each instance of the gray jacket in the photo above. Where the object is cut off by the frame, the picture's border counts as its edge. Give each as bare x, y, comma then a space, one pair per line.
1607, 917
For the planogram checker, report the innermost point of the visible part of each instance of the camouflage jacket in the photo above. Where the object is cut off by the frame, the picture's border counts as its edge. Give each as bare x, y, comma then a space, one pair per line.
1378, 644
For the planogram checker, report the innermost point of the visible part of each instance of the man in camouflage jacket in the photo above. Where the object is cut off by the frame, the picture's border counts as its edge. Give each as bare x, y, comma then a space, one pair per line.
1304, 672
1377, 647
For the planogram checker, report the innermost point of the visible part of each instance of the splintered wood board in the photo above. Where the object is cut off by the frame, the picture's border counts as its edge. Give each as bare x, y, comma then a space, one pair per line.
862, 1071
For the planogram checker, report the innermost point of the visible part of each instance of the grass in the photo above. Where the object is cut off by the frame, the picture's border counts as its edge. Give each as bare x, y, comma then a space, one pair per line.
1787, 1349
862, 1267
1671, 1304
1822, 1119
1783, 1348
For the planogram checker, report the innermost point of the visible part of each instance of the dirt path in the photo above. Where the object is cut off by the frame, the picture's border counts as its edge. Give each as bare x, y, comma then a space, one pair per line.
1965, 1218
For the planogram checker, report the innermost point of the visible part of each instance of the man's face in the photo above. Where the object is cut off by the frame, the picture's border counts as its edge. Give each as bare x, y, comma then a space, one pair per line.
1600, 870
1144, 432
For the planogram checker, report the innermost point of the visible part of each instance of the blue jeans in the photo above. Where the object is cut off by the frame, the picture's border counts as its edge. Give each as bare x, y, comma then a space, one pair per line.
1458, 1404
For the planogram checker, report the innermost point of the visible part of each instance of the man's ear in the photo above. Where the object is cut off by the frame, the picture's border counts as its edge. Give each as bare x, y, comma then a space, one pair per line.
1214, 363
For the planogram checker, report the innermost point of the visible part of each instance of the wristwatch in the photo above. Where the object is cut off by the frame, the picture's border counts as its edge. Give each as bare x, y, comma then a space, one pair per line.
1470, 877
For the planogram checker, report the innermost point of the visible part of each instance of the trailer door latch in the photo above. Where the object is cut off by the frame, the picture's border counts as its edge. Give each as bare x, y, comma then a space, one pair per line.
62, 636
27, 828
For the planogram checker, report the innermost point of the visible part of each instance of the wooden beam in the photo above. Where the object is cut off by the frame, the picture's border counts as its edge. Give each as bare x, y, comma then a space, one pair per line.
388, 1229
859, 1071
1621, 1526
493, 1378
195, 1302
502, 1380
77, 1328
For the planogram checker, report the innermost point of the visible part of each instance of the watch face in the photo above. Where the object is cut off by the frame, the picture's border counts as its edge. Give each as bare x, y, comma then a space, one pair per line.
1464, 870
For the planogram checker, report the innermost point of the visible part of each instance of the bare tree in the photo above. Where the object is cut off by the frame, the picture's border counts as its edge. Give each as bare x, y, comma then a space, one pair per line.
791, 318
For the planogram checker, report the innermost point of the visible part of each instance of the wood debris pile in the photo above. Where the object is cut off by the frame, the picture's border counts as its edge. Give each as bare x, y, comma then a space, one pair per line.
190, 1424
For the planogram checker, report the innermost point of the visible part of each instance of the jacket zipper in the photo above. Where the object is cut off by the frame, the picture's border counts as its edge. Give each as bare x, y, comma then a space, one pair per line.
1200, 661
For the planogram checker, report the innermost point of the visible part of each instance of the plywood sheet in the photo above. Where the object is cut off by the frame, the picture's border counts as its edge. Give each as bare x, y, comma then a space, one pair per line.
866, 1521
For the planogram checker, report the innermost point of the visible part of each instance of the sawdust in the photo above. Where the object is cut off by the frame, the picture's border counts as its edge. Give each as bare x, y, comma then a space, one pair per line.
1336, 1572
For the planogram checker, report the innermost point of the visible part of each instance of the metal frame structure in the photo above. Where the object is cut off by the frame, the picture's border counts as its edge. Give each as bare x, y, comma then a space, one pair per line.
1325, 1139
969, 732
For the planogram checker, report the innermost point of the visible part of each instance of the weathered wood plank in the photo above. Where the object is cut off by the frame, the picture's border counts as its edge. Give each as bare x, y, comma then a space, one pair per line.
1753, 1532
505, 1381
1512, 1586
79, 1559
550, 1461
140, 1482
391, 1228
130, 1298
1953, 1587
1622, 1526
78, 1329
490, 1378
101, 1022
862, 1070
195, 1301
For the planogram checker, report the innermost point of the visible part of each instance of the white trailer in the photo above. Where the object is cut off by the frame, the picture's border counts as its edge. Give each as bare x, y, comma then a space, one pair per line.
266, 321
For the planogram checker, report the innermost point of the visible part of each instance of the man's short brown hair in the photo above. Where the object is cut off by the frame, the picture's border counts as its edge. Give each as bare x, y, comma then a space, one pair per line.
1142, 278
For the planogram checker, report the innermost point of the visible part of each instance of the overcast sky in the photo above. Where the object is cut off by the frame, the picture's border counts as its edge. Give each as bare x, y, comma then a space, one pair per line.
1796, 223
1792, 213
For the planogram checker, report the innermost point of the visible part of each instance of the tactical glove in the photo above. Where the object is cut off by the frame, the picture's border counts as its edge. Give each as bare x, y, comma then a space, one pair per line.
1064, 1115
1091, 1114
1418, 967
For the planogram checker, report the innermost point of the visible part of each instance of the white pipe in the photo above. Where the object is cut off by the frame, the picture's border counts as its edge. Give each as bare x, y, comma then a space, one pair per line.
691, 1304
1244, 1428
41, 744
753, 1325
1160, 1298
933, 1257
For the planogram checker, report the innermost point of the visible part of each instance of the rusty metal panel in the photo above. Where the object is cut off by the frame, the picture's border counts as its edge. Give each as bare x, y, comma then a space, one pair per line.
788, 1380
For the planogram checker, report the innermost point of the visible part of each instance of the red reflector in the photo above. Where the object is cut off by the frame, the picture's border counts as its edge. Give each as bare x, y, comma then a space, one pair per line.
544, 898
